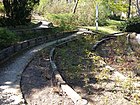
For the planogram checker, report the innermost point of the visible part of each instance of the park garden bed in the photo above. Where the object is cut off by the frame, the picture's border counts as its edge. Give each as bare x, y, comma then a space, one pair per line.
107, 76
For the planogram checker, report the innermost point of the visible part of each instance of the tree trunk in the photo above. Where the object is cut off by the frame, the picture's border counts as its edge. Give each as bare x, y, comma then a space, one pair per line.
7, 7
75, 7
129, 9
137, 3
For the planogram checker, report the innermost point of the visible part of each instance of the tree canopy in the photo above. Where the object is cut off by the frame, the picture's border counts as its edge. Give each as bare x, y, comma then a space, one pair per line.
19, 11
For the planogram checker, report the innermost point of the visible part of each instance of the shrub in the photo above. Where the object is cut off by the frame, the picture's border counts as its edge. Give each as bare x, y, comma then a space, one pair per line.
65, 21
19, 11
7, 38
115, 17
102, 22
131, 25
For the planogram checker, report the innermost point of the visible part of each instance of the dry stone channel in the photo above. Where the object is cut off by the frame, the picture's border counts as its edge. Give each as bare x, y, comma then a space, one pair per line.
10, 71
72, 94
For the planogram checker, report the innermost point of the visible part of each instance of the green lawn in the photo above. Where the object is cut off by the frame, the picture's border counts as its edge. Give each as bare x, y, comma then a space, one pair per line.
111, 28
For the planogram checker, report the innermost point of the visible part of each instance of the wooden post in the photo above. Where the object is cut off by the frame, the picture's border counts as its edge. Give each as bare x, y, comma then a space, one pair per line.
96, 20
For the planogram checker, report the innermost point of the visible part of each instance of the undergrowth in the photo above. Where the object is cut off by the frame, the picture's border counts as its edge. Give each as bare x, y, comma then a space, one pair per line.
7, 38
79, 65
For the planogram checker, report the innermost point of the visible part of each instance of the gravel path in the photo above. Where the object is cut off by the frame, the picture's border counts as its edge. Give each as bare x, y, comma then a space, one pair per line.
37, 88
10, 75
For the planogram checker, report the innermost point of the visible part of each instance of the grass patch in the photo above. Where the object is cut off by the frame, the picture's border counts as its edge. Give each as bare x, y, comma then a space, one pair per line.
111, 28
104, 29
114, 22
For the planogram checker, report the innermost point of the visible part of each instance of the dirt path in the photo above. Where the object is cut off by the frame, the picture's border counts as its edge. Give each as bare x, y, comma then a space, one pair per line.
38, 88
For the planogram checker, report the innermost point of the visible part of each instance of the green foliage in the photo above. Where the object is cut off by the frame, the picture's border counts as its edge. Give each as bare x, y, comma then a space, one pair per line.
7, 38
77, 57
118, 6
19, 12
104, 13
131, 25
115, 17
1, 7
77, 61
85, 12
41, 7
102, 22
65, 21
3, 21
108, 28
114, 22
49, 6
115, 8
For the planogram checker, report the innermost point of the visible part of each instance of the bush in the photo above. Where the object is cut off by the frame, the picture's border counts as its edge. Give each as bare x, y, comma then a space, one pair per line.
102, 22
4, 21
19, 11
7, 38
65, 21
131, 25
115, 17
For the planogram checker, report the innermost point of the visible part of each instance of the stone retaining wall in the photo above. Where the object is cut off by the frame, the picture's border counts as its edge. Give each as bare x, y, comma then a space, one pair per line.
7, 52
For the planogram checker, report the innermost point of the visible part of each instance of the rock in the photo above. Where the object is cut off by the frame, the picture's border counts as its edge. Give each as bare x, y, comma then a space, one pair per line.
45, 24
137, 71
82, 102
102, 63
134, 40
110, 68
138, 38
